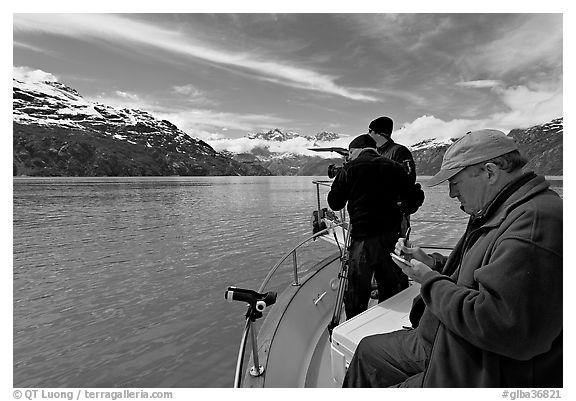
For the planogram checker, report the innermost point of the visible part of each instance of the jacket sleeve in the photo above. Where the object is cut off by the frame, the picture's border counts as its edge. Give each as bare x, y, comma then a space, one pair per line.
411, 194
404, 157
339, 191
439, 261
516, 309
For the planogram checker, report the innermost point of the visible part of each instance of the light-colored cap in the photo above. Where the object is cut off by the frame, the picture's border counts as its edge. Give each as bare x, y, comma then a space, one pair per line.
474, 147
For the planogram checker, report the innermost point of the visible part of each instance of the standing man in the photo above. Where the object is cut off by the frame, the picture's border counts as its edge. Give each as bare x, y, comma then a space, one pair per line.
493, 308
371, 185
381, 131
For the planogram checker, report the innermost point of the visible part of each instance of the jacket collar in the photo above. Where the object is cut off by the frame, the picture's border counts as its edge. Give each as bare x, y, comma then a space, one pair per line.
513, 194
367, 152
390, 142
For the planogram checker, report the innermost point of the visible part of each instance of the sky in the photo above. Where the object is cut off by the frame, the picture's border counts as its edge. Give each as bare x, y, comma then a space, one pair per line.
221, 76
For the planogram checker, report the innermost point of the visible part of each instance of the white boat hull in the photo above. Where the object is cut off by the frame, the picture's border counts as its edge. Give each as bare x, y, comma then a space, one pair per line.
293, 344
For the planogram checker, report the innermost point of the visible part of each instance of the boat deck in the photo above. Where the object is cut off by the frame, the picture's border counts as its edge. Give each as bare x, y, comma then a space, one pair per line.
319, 371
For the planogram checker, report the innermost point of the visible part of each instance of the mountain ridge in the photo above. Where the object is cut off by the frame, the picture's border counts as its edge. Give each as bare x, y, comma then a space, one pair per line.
542, 144
56, 132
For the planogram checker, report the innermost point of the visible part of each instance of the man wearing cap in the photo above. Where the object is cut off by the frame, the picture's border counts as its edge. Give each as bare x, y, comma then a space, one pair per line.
493, 308
375, 219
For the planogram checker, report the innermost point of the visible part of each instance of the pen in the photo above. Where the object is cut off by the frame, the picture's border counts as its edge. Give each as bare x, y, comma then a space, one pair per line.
407, 235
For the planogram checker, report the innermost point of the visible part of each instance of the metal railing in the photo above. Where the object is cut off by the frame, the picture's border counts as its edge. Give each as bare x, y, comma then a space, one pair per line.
257, 369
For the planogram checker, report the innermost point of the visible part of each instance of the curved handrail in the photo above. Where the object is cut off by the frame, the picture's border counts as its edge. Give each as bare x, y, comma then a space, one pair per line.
273, 269
240, 359
248, 325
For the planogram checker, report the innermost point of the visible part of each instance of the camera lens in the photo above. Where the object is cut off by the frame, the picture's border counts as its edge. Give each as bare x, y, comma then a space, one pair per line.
333, 170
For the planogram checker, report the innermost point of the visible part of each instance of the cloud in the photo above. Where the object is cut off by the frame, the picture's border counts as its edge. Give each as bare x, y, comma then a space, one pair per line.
29, 47
131, 97
197, 122
526, 107
486, 83
536, 41
529, 106
298, 146
426, 127
204, 123
187, 90
27, 74
122, 99
117, 29
193, 95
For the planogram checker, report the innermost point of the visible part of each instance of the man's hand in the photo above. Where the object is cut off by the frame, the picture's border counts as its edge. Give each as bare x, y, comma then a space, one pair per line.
404, 248
415, 271
420, 262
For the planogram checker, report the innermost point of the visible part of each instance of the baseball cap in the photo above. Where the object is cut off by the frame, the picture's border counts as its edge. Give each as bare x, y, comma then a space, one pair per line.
474, 147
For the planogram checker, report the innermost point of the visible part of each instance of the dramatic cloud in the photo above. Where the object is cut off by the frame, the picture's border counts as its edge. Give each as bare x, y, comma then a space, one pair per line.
522, 46
529, 106
117, 29
526, 107
427, 127
438, 75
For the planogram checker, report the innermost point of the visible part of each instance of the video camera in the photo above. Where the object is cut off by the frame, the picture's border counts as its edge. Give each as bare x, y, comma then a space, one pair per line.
333, 170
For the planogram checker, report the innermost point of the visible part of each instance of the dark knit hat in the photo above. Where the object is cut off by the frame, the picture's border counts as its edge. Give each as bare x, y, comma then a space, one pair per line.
362, 141
382, 125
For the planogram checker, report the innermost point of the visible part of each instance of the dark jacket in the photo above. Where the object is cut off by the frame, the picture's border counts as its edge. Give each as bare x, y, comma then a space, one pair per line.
372, 206
497, 320
400, 154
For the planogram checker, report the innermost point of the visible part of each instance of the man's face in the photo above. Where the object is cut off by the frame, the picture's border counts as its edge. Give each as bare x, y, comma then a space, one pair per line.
470, 187
379, 138
353, 153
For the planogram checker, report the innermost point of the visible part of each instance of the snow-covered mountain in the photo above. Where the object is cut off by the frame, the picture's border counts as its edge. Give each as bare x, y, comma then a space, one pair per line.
58, 132
432, 143
277, 135
542, 144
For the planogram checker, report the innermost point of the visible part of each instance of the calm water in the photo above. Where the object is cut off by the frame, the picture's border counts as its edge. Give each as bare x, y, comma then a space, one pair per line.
119, 282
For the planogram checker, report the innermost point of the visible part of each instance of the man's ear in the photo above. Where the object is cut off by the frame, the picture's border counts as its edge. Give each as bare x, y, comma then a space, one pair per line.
493, 172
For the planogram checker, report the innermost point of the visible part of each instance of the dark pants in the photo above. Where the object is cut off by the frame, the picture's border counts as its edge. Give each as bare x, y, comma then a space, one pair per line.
396, 359
368, 257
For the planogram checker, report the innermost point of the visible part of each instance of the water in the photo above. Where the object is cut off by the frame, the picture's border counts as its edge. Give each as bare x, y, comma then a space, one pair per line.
119, 282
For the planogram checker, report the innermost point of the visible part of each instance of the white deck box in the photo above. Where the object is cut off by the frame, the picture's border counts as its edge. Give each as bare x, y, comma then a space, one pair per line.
385, 317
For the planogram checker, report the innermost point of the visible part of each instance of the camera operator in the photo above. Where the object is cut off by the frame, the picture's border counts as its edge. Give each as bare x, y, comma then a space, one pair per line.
372, 185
